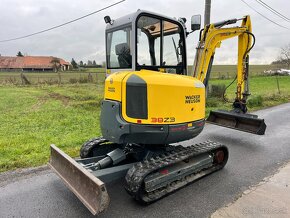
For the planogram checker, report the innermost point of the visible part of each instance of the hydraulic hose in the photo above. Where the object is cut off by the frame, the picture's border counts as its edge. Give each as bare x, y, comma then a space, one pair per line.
244, 56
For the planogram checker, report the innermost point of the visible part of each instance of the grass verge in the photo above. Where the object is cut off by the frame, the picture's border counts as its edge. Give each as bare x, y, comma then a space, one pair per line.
34, 117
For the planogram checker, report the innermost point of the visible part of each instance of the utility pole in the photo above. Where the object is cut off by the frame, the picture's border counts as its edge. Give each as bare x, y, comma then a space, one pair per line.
207, 12
206, 22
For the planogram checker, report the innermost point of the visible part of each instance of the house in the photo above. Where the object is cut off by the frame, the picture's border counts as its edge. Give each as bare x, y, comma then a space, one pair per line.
33, 63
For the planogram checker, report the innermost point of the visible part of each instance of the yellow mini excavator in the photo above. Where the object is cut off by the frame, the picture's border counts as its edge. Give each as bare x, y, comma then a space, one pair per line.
151, 101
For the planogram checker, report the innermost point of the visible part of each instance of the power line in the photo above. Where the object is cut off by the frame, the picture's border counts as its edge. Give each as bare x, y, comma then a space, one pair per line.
273, 10
61, 25
265, 16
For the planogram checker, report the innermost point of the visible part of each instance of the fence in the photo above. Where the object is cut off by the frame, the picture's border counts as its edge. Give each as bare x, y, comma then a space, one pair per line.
29, 78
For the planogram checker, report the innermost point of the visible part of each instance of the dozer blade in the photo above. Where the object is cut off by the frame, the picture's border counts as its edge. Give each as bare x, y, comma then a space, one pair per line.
88, 188
242, 122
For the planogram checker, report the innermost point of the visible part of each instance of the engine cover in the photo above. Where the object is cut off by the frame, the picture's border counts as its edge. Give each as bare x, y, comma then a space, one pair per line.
150, 107
150, 97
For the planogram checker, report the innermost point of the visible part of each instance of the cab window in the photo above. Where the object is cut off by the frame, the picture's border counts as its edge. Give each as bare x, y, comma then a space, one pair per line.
148, 45
160, 44
118, 50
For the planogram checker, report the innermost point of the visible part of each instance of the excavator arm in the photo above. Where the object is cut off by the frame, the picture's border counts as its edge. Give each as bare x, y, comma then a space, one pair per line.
210, 39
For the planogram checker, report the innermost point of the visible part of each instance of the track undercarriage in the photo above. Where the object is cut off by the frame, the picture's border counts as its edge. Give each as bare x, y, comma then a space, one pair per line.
150, 180
151, 172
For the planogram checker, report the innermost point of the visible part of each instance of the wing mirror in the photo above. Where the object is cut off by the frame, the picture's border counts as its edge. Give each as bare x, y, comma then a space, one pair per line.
195, 22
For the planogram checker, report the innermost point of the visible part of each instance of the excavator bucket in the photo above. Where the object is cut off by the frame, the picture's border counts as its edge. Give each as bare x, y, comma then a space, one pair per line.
242, 122
89, 189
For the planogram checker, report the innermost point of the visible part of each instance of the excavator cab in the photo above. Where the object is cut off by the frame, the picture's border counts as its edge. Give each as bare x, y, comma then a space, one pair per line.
145, 41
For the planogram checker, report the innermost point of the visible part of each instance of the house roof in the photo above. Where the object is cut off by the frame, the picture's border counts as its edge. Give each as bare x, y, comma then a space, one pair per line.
29, 62
11, 62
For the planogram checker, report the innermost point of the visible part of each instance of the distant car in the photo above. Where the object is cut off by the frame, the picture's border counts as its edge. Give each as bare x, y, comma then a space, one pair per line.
283, 72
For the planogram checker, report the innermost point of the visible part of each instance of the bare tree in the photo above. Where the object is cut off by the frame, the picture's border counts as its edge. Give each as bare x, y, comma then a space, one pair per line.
285, 55
56, 64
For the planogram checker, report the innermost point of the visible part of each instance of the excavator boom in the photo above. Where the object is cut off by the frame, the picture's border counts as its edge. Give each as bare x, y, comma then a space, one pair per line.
211, 38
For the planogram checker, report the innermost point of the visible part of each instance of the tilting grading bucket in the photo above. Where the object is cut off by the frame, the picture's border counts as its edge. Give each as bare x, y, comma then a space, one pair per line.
88, 188
242, 122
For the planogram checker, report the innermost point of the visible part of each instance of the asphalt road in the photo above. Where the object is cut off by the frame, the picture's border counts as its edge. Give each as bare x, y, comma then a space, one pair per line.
252, 157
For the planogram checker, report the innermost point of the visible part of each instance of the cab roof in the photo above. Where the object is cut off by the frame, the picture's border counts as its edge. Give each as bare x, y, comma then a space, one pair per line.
131, 18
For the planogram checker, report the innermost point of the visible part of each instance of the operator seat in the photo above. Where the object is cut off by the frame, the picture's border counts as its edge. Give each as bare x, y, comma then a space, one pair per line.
124, 56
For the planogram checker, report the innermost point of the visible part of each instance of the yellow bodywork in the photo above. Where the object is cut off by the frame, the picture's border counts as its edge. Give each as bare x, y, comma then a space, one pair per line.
171, 98
212, 38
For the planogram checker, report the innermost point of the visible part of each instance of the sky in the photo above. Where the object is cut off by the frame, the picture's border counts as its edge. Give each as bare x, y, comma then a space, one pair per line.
85, 40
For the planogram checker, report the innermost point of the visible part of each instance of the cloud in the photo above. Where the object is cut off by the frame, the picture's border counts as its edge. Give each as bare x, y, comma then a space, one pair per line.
85, 39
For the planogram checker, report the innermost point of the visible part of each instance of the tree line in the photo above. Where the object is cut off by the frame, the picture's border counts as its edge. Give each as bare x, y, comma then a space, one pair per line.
88, 64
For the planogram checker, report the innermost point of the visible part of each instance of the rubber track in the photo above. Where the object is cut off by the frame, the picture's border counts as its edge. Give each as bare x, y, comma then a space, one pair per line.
137, 174
89, 145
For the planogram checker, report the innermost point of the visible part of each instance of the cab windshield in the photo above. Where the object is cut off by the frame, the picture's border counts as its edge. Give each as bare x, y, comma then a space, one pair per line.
160, 44
118, 51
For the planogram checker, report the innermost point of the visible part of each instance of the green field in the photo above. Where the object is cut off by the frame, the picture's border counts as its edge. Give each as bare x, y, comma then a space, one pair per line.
264, 88
229, 71
98, 75
33, 117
